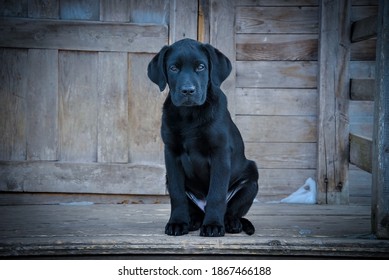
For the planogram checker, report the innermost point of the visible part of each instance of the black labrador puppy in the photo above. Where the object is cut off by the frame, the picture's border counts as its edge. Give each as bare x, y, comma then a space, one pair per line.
210, 182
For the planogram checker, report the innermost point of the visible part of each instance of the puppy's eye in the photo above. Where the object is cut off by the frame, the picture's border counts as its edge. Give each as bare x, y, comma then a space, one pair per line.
200, 67
173, 68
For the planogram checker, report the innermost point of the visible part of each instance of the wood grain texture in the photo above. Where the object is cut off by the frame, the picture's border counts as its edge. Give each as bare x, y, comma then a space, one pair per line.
277, 19
151, 11
81, 35
278, 128
144, 113
82, 178
112, 135
183, 20
361, 152
78, 106
137, 230
114, 10
79, 9
13, 92
43, 9
362, 89
333, 144
364, 29
276, 46
281, 102
42, 100
276, 74
380, 187
282, 155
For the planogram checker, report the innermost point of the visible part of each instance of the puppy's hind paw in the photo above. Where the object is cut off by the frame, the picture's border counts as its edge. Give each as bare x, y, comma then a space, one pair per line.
176, 229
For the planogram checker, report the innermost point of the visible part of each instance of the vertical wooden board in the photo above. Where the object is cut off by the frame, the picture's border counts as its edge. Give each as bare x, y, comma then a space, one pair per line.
114, 10
151, 11
13, 87
334, 55
78, 106
144, 112
183, 20
380, 186
13, 8
222, 37
42, 100
43, 8
112, 134
80, 9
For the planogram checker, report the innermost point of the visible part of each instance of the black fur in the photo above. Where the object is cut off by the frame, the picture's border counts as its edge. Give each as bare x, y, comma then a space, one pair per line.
204, 151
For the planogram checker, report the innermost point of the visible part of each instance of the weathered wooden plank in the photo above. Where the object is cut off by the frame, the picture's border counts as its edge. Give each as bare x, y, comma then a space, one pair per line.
183, 20
276, 74
112, 135
333, 102
275, 184
17, 198
275, 3
270, 102
42, 100
360, 186
361, 12
361, 152
221, 24
380, 187
278, 128
13, 91
43, 9
283, 155
144, 113
276, 47
58, 230
14, 8
80, 9
114, 10
151, 11
363, 50
82, 35
70, 177
362, 69
78, 91
364, 29
361, 114
277, 19
362, 89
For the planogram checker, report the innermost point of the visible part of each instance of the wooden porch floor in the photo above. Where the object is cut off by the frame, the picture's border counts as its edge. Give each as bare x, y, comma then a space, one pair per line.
109, 230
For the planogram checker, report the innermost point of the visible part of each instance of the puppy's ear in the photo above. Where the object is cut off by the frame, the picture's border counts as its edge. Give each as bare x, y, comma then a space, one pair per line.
220, 65
156, 69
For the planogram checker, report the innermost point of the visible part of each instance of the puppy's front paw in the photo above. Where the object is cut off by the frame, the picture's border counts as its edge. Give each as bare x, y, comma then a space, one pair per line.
176, 229
233, 225
213, 230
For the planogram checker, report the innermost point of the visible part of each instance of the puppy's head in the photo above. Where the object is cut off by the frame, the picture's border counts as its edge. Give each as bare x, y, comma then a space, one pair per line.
188, 67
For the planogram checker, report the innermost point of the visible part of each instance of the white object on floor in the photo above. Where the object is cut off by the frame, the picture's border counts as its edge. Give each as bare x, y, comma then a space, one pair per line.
306, 194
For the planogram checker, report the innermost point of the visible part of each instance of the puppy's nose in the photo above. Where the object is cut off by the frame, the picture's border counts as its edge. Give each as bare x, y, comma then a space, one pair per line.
187, 90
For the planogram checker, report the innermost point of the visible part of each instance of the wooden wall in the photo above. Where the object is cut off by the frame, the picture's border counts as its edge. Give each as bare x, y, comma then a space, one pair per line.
362, 66
276, 90
77, 111
79, 115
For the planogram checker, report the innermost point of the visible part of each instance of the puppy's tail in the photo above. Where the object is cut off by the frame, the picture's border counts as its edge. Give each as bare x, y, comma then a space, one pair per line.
247, 226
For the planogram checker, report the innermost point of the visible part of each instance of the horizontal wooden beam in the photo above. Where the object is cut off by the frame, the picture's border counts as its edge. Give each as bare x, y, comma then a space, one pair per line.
82, 35
362, 89
70, 177
364, 29
361, 152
